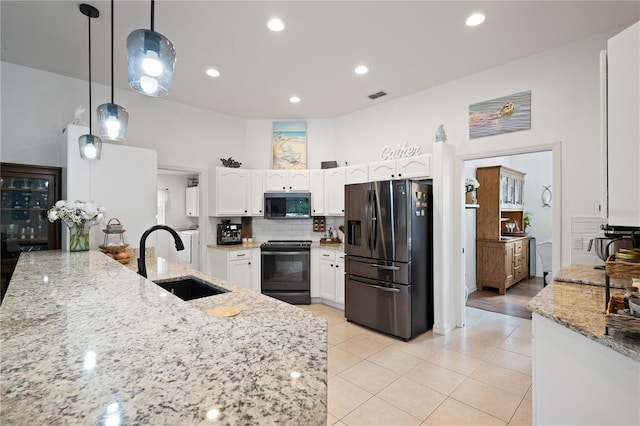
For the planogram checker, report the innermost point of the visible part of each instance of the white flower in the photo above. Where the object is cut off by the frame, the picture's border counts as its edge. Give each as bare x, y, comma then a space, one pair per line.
471, 184
77, 212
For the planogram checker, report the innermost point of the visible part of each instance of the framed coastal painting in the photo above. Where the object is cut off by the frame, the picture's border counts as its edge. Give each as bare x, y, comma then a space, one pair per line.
289, 145
500, 115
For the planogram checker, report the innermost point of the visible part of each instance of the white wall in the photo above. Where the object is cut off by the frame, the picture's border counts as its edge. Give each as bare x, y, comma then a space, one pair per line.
565, 107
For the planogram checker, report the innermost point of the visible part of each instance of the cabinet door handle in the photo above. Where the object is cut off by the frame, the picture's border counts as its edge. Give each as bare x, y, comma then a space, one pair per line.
325, 255
241, 255
249, 263
332, 265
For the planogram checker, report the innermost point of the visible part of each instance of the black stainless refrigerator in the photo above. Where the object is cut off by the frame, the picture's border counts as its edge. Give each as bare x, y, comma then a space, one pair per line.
389, 262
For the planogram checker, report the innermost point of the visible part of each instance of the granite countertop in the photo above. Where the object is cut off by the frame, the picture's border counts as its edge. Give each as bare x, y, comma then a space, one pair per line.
86, 340
586, 274
580, 307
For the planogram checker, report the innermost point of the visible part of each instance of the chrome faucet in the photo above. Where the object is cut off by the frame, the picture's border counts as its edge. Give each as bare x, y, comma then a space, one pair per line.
142, 267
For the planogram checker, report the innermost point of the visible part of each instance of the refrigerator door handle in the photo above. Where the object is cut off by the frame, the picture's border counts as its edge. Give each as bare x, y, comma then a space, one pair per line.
385, 267
369, 216
374, 219
378, 287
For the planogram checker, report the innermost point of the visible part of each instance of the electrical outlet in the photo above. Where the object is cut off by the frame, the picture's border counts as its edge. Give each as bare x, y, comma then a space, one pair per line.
577, 243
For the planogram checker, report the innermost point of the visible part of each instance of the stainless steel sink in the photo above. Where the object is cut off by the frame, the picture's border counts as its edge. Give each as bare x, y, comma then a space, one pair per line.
190, 287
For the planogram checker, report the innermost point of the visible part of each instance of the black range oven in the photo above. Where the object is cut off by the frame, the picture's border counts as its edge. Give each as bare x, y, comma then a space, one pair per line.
286, 272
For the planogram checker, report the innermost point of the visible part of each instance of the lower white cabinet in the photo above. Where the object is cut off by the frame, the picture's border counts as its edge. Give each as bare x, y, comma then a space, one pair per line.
240, 267
328, 276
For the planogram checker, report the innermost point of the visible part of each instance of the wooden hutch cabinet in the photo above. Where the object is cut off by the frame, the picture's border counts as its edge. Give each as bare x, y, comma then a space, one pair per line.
28, 192
502, 247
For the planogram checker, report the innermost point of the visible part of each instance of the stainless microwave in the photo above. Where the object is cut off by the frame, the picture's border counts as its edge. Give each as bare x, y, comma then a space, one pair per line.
287, 205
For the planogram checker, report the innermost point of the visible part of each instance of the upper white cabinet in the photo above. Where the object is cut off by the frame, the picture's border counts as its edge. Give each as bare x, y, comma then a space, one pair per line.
623, 57
402, 168
317, 193
229, 187
357, 174
334, 191
286, 180
192, 201
256, 193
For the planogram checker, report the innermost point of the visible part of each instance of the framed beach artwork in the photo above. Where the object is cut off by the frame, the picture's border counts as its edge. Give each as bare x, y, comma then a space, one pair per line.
500, 115
289, 145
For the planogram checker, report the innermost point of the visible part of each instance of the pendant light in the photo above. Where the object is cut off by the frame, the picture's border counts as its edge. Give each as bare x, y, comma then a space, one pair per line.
90, 145
151, 58
112, 118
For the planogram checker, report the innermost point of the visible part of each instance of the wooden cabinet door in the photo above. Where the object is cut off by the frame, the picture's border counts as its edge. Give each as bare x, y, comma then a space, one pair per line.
298, 180
412, 167
231, 192
357, 174
275, 180
382, 170
334, 187
256, 193
509, 263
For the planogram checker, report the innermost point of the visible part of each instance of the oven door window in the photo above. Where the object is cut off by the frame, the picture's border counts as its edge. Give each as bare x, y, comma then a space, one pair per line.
285, 271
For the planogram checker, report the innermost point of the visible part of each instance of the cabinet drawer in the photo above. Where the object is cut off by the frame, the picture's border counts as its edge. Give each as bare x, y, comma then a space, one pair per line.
239, 255
327, 254
517, 247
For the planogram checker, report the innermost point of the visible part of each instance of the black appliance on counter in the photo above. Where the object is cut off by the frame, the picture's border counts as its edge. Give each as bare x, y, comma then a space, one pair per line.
286, 270
389, 256
229, 233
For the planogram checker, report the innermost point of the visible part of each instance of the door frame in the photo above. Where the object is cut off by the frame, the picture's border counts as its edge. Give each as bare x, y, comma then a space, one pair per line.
459, 231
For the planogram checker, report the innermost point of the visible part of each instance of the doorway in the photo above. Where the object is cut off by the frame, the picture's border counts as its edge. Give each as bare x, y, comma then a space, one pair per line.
553, 227
173, 186
537, 169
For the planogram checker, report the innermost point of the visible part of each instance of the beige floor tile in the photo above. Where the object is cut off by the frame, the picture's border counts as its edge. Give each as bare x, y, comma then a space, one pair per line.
333, 318
423, 349
435, 377
344, 397
316, 308
339, 424
395, 360
361, 346
502, 378
523, 416
486, 398
339, 360
456, 361
475, 348
369, 376
452, 412
338, 333
378, 337
519, 346
523, 332
378, 412
511, 360
331, 419
412, 398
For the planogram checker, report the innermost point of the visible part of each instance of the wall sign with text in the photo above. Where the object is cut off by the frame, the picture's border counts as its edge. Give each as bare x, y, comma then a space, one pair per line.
389, 153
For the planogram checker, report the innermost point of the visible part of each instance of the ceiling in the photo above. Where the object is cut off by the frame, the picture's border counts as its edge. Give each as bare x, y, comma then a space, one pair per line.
408, 46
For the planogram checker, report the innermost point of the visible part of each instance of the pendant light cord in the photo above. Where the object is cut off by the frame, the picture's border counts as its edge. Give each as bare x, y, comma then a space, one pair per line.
112, 51
89, 74
153, 6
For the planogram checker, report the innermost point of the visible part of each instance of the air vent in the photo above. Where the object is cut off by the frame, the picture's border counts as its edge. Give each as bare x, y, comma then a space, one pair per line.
377, 95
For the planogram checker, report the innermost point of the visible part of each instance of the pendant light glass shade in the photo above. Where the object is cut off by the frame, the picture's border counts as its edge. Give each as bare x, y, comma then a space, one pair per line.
112, 118
112, 122
90, 147
151, 58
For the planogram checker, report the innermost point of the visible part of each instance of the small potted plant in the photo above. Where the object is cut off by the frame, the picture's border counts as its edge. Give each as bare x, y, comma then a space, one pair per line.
470, 185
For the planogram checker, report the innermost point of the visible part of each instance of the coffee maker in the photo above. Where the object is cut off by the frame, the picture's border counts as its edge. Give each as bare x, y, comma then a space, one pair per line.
229, 233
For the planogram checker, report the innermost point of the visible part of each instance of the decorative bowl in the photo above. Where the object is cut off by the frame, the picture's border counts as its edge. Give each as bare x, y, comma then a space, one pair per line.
634, 305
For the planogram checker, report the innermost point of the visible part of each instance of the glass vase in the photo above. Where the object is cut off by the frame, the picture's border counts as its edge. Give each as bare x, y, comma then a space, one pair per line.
79, 237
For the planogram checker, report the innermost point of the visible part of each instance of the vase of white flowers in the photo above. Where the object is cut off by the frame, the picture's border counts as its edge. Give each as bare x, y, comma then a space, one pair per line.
79, 216
470, 185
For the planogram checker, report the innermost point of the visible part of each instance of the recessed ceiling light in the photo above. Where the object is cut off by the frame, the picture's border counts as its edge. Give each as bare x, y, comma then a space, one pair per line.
212, 72
294, 99
475, 19
361, 69
275, 24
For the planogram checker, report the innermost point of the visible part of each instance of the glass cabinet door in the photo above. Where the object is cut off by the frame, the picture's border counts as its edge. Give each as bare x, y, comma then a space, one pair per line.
28, 192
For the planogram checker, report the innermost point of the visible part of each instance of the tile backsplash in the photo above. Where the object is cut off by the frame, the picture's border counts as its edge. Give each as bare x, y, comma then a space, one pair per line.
279, 229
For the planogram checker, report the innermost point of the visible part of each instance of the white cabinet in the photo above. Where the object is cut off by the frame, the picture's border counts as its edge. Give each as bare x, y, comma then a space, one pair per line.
317, 193
240, 267
403, 168
334, 191
229, 186
192, 201
330, 276
256, 193
286, 180
411, 167
623, 63
357, 174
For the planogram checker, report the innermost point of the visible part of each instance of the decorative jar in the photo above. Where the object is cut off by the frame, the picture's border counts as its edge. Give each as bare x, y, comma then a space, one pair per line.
79, 236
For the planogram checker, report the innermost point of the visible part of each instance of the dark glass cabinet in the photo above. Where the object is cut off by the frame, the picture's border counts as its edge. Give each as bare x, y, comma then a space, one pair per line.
28, 192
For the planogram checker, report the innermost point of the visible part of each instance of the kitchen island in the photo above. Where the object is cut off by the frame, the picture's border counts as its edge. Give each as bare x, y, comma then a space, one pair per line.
581, 375
86, 340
